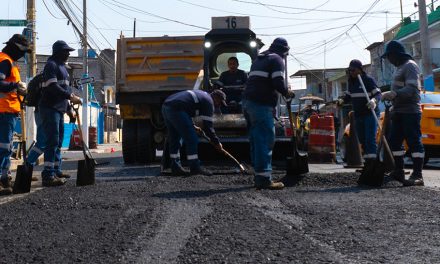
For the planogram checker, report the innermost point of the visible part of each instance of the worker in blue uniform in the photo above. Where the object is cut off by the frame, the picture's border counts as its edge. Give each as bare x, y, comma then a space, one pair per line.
406, 113
12, 90
266, 81
53, 105
366, 126
178, 111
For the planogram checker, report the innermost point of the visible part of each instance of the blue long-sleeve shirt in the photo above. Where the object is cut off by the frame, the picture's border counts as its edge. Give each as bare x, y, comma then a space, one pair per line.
56, 89
266, 78
356, 95
195, 103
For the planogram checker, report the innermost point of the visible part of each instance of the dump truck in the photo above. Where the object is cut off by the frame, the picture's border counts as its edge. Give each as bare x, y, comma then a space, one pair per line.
149, 69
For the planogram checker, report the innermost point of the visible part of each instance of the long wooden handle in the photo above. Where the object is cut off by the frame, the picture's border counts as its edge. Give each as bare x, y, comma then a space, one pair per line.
23, 134
382, 136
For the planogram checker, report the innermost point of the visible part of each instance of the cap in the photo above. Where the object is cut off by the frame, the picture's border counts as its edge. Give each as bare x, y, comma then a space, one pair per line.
20, 42
280, 44
221, 95
355, 64
395, 47
60, 45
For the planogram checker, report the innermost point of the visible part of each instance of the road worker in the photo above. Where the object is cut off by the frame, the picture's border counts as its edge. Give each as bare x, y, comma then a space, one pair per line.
366, 125
232, 84
177, 110
11, 90
406, 113
53, 105
266, 80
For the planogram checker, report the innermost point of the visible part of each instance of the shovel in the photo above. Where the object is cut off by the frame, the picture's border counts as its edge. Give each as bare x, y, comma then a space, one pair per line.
373, 174
23, 178
86, 168
227, 154
298, 163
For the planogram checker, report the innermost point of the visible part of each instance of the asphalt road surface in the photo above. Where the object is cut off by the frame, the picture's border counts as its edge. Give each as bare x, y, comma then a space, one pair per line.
132, 215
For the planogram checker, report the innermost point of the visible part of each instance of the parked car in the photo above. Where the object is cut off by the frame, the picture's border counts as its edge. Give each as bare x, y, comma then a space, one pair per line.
430, 125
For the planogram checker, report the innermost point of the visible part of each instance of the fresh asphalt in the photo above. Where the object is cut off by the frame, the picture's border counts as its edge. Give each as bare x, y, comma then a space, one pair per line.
134, 215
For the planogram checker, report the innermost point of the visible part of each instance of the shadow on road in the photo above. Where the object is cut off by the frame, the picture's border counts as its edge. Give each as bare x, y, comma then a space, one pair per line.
200, 193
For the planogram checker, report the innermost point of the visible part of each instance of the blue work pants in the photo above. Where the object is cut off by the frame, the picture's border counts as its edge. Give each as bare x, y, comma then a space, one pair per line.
52, 122
406, 127
7, 125
366, 129
261, 130
180, 126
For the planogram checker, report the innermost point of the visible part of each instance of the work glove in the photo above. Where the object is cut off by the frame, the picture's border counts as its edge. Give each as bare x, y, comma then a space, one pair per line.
198, 130
75, 99
290, 94
219, 147
388, 96
22, 88
340, 102
371, 104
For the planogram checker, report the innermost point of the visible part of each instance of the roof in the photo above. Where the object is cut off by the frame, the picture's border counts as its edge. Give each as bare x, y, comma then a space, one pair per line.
338, 76
374, 45
414, 26
301, 73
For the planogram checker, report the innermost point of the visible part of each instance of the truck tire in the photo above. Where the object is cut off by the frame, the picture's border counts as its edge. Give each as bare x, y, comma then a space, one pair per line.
145, 148
129, 131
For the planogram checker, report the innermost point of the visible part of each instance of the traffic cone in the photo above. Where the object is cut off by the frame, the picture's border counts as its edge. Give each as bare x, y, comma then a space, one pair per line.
353, 155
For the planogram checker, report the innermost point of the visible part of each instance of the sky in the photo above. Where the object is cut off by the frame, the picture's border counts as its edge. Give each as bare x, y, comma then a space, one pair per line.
321, 33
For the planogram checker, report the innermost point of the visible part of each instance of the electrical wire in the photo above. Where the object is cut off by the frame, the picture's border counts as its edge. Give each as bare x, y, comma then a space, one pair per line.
311, 9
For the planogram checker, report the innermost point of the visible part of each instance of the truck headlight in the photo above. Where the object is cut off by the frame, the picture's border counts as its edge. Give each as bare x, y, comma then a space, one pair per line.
207, 44
253, 44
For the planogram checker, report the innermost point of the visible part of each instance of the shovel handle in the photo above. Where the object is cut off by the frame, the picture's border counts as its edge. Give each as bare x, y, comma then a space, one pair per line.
382, 136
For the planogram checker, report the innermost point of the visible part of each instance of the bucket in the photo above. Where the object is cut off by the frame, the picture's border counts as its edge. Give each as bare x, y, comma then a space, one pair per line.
322, 145
75, 141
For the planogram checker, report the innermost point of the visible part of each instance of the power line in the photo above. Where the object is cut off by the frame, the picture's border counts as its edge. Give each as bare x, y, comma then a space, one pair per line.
292, 13
311, 9
137, 10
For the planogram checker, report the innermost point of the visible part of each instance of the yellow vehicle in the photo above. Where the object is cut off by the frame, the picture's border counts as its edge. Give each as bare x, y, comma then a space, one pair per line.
430, 125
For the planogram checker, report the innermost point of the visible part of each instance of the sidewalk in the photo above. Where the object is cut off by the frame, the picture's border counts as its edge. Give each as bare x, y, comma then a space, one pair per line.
102, 148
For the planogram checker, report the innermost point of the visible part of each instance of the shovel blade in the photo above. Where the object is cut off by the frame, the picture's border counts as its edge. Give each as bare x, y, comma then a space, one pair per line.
373, 174
297, 165
23, 179
86, 172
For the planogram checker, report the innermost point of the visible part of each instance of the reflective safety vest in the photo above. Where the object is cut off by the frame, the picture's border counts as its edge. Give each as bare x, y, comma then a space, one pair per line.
9, 101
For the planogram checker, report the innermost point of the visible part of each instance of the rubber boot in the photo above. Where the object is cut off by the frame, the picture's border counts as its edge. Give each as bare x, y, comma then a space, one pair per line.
262, 182
416, 178
196, 169
398, 173
5, 188
177, 169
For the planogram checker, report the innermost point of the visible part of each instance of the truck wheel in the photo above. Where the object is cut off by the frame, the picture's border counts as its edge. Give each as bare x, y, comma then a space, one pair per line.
129, 141
145, 148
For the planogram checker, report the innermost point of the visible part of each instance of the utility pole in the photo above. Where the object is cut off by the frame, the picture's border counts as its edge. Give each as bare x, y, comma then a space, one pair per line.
134, 28
85, 105
401, 11
424, 40
31, 67
324, 72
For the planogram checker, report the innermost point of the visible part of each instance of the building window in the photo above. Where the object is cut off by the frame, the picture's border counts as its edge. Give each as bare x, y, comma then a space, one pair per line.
320, 88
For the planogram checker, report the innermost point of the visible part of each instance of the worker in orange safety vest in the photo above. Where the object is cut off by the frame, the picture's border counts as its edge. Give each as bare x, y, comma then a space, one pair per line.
11, 92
